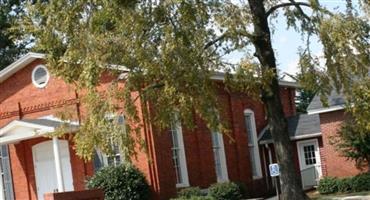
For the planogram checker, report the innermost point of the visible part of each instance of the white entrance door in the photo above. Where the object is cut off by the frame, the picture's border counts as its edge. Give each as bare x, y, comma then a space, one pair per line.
45, 172
309, 162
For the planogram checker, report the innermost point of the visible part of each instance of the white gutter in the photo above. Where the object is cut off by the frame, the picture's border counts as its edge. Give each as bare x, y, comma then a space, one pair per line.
19, 64
325, 110
293, 138
220, 76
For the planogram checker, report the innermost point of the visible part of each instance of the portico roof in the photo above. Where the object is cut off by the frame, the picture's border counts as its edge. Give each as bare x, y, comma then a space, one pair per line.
24, 129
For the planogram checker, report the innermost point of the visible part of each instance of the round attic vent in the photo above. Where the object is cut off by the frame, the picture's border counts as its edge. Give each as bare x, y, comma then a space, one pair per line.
40, 76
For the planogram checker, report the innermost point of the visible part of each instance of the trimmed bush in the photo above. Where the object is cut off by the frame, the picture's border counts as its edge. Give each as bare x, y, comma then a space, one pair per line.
328, 185
225, 191
357, 183
190, 192
344, 185
120, 183
195, 198
361, 182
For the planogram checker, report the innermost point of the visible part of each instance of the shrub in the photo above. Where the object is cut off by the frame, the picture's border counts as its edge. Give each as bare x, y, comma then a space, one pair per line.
361, 182
190, 192
120, 183
195, 198
328, 185
225, 191
344, 185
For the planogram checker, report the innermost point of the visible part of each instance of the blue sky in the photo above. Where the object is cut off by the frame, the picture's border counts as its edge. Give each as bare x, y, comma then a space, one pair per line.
286, 42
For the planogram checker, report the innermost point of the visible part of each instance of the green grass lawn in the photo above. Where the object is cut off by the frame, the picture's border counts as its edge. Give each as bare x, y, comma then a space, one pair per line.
314, 195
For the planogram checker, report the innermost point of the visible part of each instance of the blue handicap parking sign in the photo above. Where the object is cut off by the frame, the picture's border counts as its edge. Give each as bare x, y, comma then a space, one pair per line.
274, 170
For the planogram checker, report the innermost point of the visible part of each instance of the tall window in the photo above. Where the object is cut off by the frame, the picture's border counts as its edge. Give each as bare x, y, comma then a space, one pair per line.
101, 159
250, 125
219, 157
178, 156
6, 188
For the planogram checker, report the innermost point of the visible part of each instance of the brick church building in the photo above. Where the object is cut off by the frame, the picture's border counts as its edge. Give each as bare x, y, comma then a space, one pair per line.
32, 164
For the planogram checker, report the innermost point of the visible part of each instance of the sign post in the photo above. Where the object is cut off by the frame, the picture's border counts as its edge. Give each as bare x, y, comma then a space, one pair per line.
274, 173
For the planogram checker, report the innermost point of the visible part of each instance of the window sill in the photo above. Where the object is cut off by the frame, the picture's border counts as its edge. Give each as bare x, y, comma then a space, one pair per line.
182, 185
222, 180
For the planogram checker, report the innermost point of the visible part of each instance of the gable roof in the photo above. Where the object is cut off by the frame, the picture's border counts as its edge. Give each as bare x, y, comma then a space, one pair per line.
336, 101
19, 64
299, 127
31, 56
19, 130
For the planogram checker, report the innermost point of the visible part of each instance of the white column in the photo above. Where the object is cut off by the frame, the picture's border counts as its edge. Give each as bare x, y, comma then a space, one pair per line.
2, 194
58, 164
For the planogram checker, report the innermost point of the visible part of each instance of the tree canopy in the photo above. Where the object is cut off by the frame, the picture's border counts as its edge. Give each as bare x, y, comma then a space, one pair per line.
11, 43
169, 50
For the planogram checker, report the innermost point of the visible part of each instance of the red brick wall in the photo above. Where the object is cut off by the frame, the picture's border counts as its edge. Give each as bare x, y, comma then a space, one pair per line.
19, 98
76, 195
157, 163
333, 163
198, 147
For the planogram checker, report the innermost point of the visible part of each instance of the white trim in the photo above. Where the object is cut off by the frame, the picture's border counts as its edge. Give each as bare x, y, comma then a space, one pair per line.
324, 110
262, 132
225, 176
33, 76
182, 158
19, 64
58, 164
17, 123
256, 151
292, 138
18, 130
305, 136
220, 76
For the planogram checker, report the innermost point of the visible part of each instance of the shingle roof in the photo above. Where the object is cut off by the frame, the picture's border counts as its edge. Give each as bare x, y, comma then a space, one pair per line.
298, 126
334, 99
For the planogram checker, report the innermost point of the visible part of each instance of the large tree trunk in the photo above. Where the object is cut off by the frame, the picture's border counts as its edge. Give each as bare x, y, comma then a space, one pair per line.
290, 179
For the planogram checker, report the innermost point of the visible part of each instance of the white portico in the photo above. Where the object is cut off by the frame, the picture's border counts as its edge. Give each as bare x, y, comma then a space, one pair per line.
51, 158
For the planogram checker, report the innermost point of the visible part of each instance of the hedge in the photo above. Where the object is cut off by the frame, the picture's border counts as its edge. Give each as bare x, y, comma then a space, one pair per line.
225, 191
217, 191
358, 183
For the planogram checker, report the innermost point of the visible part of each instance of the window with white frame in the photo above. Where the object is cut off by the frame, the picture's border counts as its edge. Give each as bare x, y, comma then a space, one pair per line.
114, 159
219, 157
250, 125
40, 76
6, 184
178, 155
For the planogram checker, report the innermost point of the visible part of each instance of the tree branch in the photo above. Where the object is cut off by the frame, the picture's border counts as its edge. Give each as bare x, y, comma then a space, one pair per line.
223, 36
210, 43
301, 11
272, 9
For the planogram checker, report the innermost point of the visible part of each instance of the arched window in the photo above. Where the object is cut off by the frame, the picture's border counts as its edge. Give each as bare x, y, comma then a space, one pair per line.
219, 156
254, 154
178, 154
